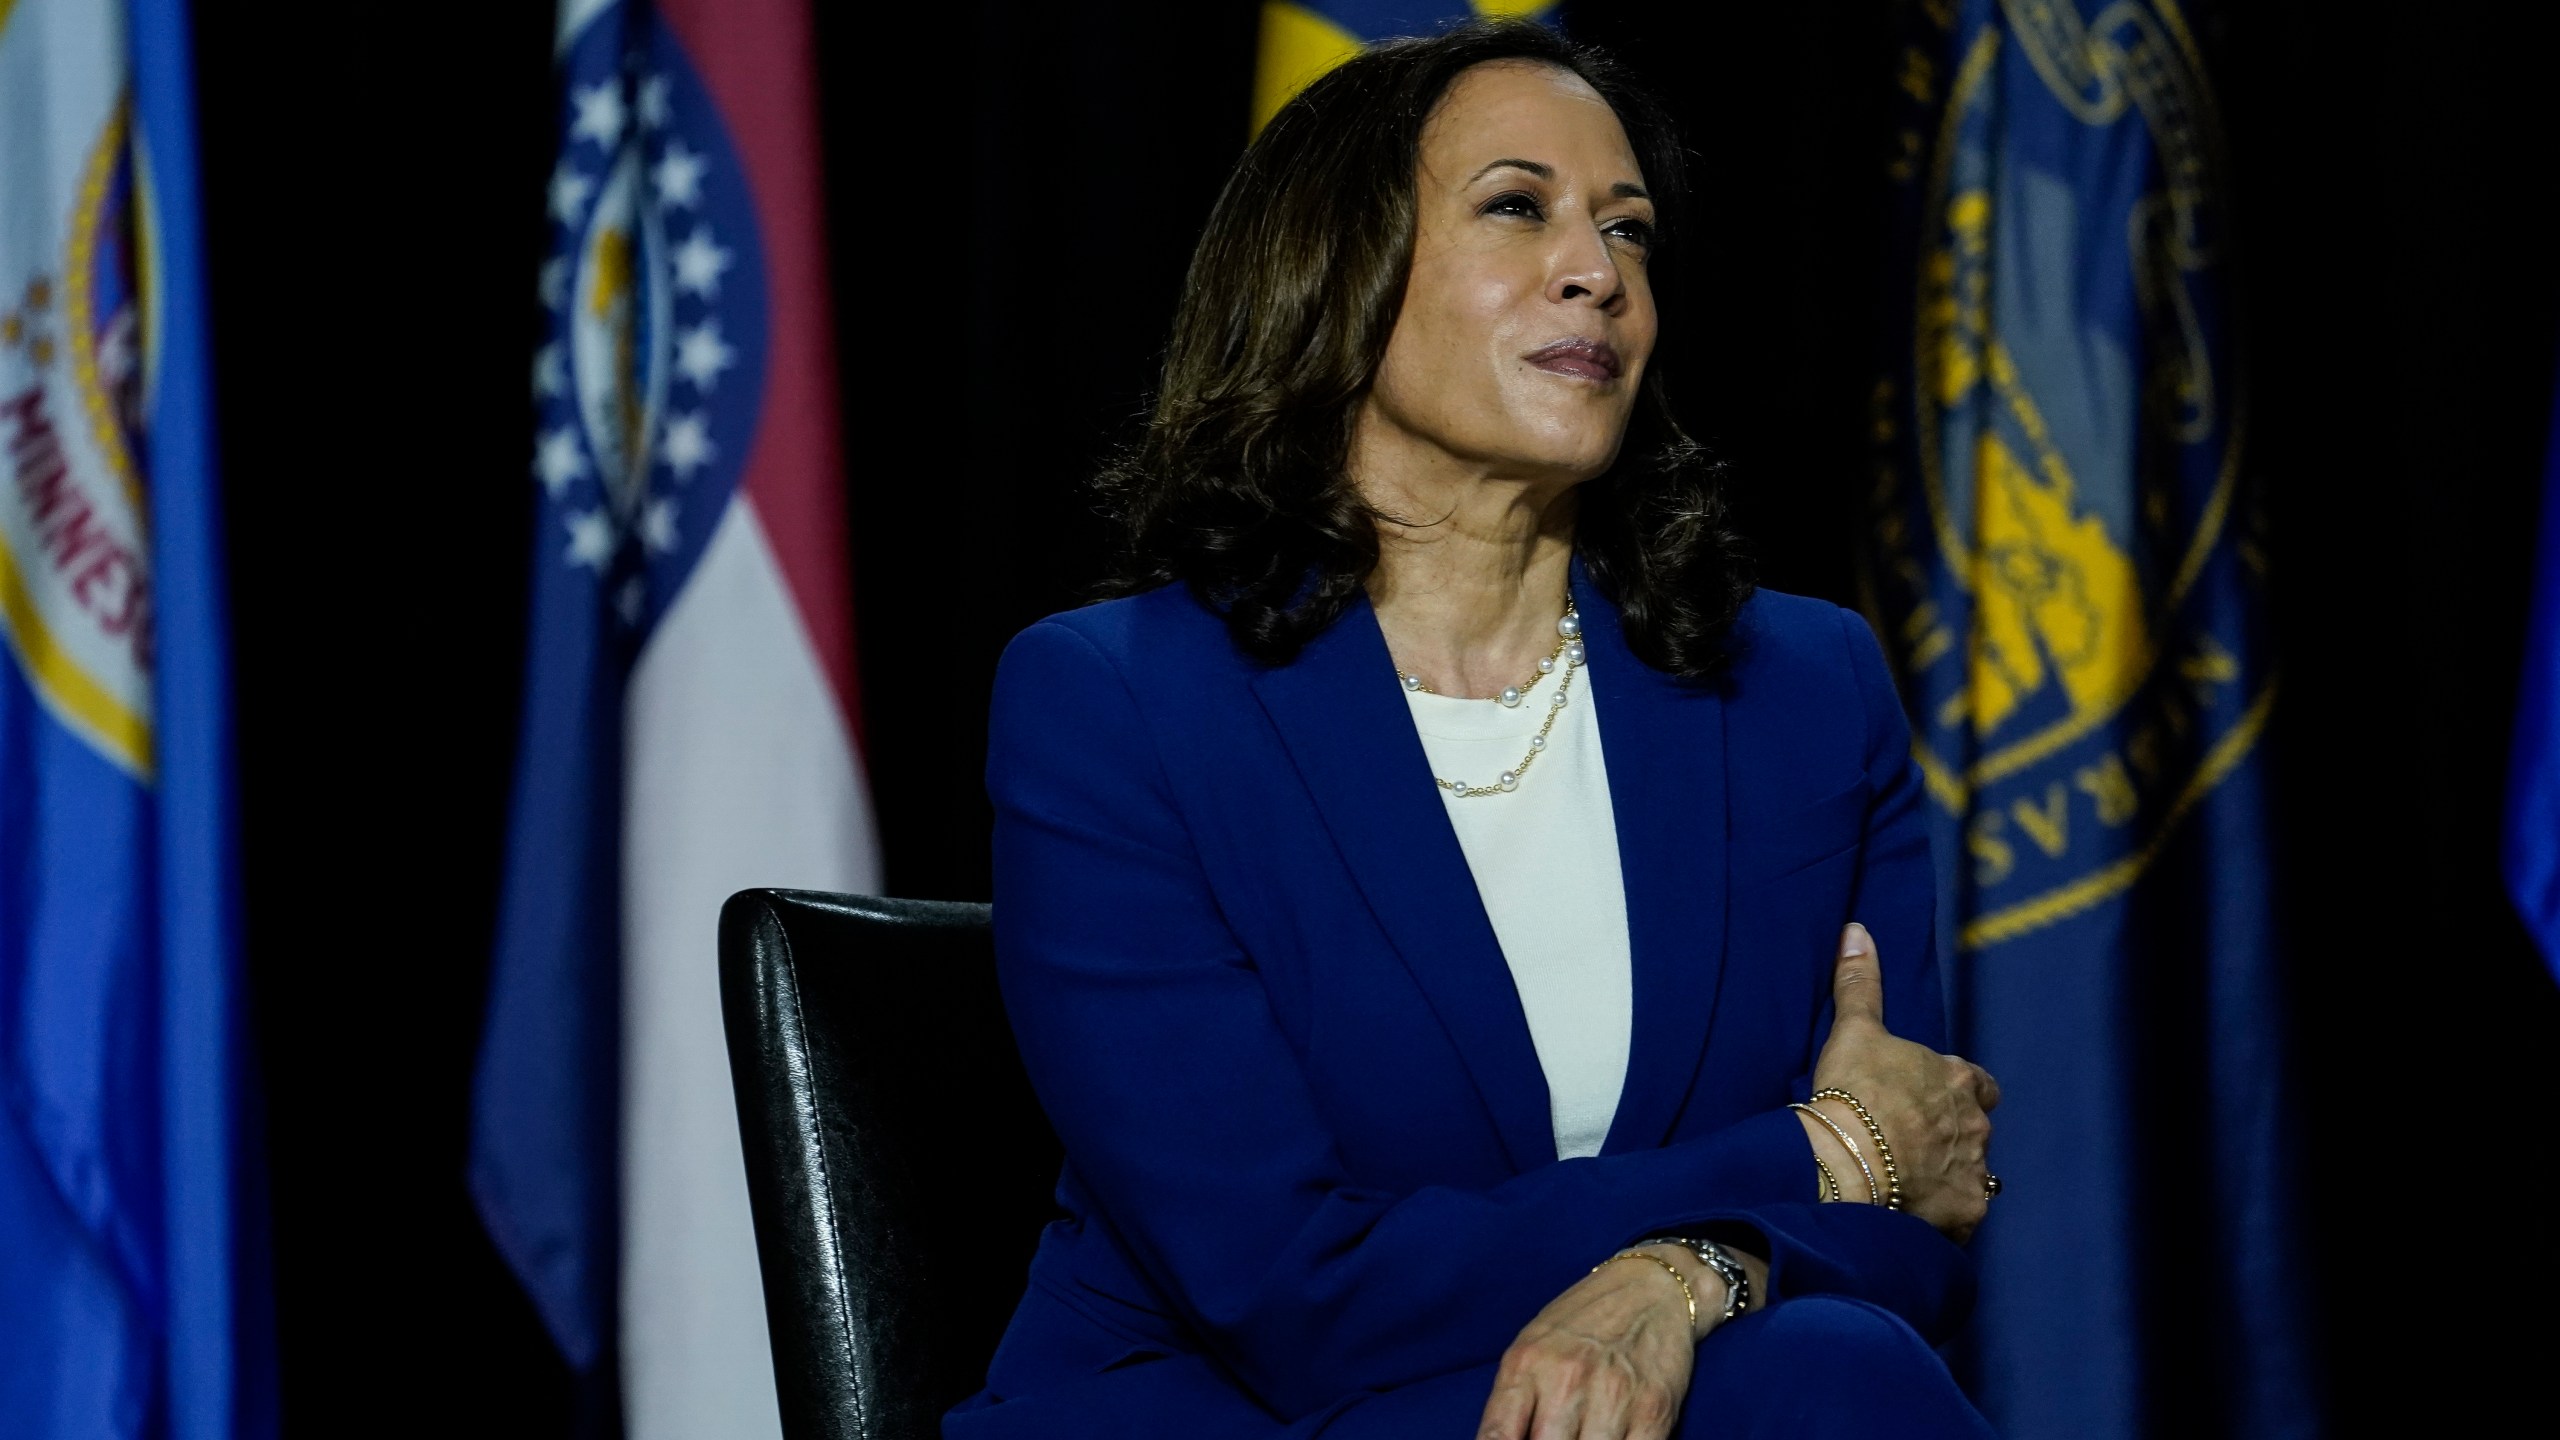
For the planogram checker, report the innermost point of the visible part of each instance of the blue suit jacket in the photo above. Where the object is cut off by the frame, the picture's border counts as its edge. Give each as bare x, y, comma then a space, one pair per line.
1308, 1143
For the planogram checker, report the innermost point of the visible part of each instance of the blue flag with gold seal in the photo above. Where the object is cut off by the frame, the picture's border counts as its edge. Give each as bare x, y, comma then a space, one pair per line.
2068, 569
135, 1295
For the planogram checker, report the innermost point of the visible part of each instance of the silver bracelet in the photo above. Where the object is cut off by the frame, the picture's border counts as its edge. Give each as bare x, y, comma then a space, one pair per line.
1737, 1281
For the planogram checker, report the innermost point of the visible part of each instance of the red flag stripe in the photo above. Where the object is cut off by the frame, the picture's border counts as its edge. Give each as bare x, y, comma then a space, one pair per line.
757, 59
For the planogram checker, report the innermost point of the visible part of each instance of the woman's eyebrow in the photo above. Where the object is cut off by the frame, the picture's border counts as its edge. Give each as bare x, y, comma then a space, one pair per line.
1623, 190
1543, 172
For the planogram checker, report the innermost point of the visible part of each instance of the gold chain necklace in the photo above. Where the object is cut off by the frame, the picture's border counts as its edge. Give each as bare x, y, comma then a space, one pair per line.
1570, 653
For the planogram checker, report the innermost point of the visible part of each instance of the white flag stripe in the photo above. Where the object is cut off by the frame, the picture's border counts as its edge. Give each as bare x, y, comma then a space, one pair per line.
740, 773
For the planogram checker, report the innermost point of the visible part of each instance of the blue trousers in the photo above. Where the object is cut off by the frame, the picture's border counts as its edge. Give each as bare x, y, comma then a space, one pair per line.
1810, 1369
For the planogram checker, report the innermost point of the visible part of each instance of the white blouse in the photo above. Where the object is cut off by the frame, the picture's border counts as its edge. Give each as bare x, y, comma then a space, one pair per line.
1545, 859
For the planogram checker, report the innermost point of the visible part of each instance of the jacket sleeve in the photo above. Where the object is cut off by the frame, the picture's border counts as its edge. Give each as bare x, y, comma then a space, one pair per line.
1897, 891
1150, 1039
1888, 1259
1884, 1257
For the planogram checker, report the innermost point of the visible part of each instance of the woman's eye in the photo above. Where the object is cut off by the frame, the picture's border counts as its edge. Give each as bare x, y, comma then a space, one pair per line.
1513, 203
1634, 232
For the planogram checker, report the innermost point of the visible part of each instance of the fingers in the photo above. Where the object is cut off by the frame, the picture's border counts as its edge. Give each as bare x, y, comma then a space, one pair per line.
1515, 1398
1857, 985
1599, 1425
1986, 1091
1976, 1095
1653, 1415
1529, 1402
1539, 1395
1560, 1413
1944, 1141
1972, 1083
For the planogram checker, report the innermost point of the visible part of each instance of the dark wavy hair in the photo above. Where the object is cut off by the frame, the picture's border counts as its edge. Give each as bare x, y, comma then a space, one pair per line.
1237, 487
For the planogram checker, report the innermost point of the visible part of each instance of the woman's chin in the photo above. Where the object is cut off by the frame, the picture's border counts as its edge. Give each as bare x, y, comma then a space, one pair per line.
1580, 437
1572, 455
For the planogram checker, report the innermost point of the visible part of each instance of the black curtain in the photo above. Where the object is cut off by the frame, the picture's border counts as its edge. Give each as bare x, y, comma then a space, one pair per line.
1014, 192
373, 192
2405, 312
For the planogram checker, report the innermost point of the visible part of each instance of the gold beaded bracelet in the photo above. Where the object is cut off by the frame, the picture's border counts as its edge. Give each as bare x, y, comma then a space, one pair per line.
1892, 1176
1875, 1196
1830, 1186
1686, 1293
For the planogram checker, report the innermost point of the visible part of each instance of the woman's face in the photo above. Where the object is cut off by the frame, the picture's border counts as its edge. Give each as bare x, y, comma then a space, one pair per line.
1527, 318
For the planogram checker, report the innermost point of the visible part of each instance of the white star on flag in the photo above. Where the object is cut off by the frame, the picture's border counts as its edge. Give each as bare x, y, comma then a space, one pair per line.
678, 175
590, 538
654, 109
701, 354
700, 263
560, 460
569, 192
550, 372
555, 283
600, 114
686, 446
658, 525
632, 598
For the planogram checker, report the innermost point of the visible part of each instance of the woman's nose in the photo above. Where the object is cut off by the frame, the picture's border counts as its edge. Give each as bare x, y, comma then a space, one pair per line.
1587, 273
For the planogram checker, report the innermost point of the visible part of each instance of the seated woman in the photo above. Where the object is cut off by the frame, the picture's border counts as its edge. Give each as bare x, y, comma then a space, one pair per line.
1421, 894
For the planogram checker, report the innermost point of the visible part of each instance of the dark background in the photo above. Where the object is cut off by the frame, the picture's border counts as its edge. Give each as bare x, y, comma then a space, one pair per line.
1015, 193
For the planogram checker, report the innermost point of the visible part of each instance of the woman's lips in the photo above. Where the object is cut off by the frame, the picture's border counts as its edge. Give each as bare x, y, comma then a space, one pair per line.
1584, 359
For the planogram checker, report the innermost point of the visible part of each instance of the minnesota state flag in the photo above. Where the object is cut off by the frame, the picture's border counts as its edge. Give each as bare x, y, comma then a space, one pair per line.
135, 1299
2068, 571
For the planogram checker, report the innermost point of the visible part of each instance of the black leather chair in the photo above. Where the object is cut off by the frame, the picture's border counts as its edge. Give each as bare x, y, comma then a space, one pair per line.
898, 1166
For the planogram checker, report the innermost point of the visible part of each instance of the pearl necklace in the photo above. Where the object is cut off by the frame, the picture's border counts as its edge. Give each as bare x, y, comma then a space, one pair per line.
1569, 650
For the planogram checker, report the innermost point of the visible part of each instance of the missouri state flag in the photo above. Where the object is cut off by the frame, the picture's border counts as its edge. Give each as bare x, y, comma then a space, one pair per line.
689, 722
134, 1292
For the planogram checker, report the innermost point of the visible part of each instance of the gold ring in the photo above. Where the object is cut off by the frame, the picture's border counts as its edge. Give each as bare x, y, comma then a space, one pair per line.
1990, 1185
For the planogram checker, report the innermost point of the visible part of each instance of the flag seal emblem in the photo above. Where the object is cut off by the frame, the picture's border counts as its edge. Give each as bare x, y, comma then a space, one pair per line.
75, 583
2055, 556
649, 374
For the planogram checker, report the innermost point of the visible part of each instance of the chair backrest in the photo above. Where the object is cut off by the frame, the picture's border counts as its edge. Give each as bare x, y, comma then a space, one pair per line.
898, 1165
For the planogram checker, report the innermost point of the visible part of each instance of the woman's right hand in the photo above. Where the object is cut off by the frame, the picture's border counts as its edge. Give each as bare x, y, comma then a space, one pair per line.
1609, 1359
1934, 1109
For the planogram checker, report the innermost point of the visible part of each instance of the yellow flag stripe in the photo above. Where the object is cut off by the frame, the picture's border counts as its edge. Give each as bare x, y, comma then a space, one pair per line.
105, 721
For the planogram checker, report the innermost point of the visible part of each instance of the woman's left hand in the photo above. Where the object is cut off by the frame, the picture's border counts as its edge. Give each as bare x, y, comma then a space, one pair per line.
1608, 1359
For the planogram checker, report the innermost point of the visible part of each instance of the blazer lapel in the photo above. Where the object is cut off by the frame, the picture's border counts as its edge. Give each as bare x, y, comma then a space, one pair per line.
1665, 748
1350, 733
